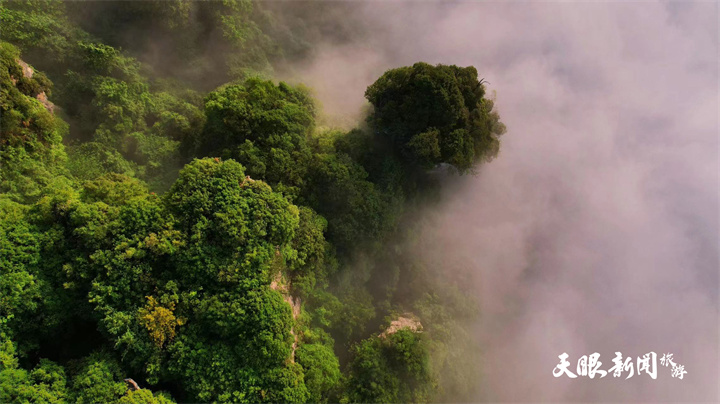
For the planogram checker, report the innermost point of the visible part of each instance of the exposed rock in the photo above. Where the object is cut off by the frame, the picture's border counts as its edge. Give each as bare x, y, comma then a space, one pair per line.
45, 102
280, 284
28, 73
405, 321
132, 384
247, 180
26, 69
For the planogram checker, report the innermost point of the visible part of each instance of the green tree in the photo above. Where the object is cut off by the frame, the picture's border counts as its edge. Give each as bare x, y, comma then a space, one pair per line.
390, 369
435, 114
235, 225
322, 370
99, 380
31, 147
263, 126
46, 383
145, 396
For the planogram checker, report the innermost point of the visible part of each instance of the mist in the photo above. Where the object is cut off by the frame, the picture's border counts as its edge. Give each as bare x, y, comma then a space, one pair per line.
596, 229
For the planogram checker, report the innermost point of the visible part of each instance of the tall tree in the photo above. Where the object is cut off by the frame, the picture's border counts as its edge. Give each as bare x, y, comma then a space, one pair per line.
436, 114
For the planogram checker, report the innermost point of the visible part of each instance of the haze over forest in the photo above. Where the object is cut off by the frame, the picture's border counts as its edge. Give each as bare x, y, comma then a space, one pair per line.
357, 201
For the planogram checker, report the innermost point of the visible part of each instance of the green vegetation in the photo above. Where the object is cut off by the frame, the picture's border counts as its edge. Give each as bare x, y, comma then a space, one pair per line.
207, 240
436, 114
390, 369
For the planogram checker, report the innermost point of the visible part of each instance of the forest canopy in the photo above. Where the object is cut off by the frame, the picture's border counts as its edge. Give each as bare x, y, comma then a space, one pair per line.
193, 235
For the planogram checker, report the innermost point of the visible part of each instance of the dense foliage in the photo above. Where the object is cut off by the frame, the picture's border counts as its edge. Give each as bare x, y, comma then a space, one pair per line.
390, 369
436, 114
209, 241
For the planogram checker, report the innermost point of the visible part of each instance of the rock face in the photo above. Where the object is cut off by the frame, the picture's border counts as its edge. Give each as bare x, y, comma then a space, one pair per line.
280, 284
405, 321
26, 69
42, 97
45, 102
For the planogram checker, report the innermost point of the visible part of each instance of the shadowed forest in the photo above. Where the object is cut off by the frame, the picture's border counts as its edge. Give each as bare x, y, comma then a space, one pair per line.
178, 225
